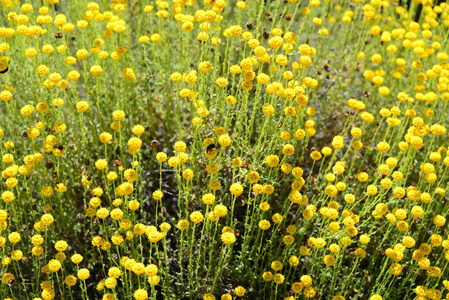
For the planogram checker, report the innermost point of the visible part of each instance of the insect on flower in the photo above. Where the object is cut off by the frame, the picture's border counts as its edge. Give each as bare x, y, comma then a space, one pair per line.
210, 148
50, 130
59, 147
3, 69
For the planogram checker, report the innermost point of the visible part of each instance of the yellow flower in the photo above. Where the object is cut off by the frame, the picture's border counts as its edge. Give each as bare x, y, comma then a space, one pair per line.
236, 189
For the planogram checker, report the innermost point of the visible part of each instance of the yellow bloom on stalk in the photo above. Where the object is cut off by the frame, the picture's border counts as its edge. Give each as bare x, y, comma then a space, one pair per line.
96, 70
236, 189
228, 238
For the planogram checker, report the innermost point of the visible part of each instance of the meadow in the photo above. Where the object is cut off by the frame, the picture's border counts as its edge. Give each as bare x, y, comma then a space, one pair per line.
223, 149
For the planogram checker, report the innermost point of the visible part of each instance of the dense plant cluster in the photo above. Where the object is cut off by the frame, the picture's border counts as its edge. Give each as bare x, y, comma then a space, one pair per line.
223, 149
